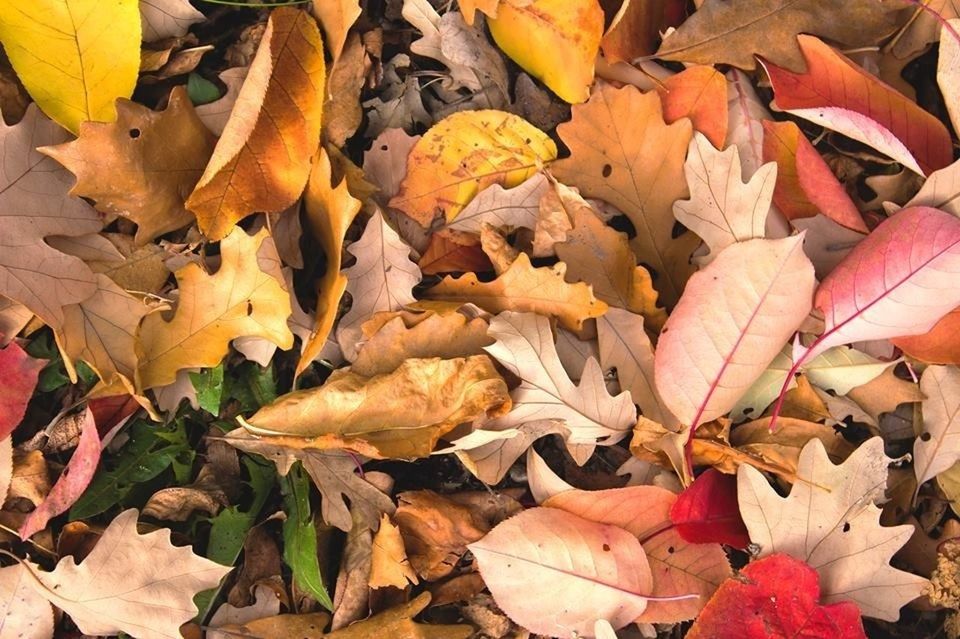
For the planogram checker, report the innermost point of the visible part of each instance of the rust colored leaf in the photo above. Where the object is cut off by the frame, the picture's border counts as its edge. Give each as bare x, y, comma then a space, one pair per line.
698, 93
939, 345
18, 377
450, 251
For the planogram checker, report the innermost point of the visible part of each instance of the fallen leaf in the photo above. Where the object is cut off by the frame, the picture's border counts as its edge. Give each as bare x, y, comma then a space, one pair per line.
73, 57
262, 160
13, 317
451, 251
948, 69
745, 122
936, 449
398, 415
699, 93
240, 299
385, 164
436, 531
336, 17
167, 18
216, 114
637, 27
622, 152
730, 346
830, 521
143, 165
707, 511
18, 378
939, 345
584, 571
556, 43
390, 566
26, 614
837, 94
504, 208
775, 596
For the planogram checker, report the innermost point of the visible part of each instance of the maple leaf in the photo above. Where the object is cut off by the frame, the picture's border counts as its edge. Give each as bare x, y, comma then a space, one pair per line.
698, 93
621, 151
240, 299
830, 521
262, 160
143, 165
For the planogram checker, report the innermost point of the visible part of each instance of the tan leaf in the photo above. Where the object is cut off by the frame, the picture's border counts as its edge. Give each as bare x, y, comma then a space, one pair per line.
13, 317
161, 19
938, 446
399, 415
216, 114
830, 521
385, 164
509, 208
143, 165
621, 151
262, 160
463, 154
884, 393
139, 584
436, 531
389, 563
342, 113
239, 300
524, 288
451, 251
336, 17
26, 614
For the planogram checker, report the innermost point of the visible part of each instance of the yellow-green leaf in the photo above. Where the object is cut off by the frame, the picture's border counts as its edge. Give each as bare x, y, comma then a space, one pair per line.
75, 57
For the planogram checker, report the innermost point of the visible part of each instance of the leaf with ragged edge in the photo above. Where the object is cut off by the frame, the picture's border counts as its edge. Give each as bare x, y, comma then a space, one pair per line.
939, 345
723, 209
73, 57
805, 184
241, 299
26, 614
167, 18
34, 204
300, 536
938, 446
556, 42
830, 521
465, 153
330, 210
71, 484
837, 94
722, 32
707, 511
621, 151
262, 160
731, 322
18, 378
699, 93
525, 288
506, 208
775, 596
897, 282
684, 574
143, 165
139, 584
382, 279
583, 570
398, 415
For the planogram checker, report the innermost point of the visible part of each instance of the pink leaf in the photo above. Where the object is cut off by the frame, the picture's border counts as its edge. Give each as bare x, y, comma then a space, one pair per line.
778, 596
18, 378
708, 511
71, 484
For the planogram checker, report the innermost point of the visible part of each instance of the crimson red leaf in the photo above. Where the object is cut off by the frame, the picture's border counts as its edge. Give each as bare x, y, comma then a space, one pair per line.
777, 597
18, 378
708, 512
71, 484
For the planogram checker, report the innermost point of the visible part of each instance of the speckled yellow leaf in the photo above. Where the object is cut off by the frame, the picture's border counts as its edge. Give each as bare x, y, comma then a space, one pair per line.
465, 153
75, 57
556, 41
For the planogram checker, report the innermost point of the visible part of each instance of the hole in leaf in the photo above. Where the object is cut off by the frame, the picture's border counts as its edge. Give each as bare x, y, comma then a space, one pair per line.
606, 548
249, 308
925, 437
670, 550
134, 133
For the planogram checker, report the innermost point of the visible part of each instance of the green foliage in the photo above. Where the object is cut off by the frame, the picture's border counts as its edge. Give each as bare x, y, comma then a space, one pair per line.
209, 387
300, 536
200, 90
251, 385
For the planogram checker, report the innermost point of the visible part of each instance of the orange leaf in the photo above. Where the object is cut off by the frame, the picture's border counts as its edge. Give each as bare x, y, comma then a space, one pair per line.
939, 345
262, 161
698, 93
451, 251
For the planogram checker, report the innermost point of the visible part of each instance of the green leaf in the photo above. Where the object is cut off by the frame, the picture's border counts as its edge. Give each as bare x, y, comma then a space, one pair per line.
209, 387
300, 536
200, 90
251, 385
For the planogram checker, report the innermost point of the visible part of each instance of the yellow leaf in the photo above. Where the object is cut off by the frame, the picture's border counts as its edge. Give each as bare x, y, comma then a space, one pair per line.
239, 300
469, 9
336, 16
262, 160
389, 565
75, 57
524, 288
556, 41
399, 415
330, 211
464, 154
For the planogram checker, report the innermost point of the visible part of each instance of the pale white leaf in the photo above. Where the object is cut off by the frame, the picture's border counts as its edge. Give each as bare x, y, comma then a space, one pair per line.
24, 613
948, 70
500, 207
938, 447
167, 18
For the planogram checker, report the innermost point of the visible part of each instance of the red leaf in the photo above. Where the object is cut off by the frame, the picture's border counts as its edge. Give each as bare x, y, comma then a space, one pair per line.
71, 484
18, 377
698, 93
111, 411
779, 599
708, 512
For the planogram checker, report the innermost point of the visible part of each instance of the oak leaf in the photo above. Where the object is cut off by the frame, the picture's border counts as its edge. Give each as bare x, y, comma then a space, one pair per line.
73, 57
831, 522
621, 151
948, 69
143, 165
389, 563
525, 288
240, 300
451, 251
26, 614
465, 153
510, 208
938, 447
699, 93
436, 531
167, 18
262, 160
401, 414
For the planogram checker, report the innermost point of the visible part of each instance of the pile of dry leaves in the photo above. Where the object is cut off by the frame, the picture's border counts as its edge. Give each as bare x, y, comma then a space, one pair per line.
399, 319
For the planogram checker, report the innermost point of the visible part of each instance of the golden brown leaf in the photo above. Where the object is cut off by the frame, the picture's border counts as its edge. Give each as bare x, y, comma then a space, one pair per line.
262, 160
143, 165
241, 299
451, 251
884, 393
342, 113
621, 151
436, 531
524, 288
336, 17
398, 415
389, 563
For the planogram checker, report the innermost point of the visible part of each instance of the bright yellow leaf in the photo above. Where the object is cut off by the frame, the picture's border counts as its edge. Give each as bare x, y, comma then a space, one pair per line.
75, 57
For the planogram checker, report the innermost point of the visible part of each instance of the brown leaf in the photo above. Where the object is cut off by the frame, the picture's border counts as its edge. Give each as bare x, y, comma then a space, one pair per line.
342, 113
389, 563
143, 165
884, 393
336, 17
638, 30
451, 251
262, 160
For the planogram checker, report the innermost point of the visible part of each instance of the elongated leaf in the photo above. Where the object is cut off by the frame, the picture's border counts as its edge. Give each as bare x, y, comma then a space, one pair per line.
300, 536
731, 322
938, 447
